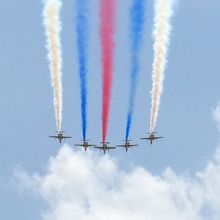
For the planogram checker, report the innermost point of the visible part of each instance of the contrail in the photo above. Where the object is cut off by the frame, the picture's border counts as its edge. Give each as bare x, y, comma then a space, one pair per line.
53, 26
82, 40
107, 14
136, 29
161, 34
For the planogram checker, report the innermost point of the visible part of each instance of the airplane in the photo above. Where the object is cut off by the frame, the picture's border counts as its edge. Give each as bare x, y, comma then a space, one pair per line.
105, 147
127, 145
85, 144
152, 137
60, 136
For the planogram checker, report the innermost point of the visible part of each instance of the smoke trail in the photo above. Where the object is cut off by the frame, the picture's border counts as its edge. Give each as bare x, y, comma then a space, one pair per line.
161, 34
53, 26
82, 33
107, 13
137, 22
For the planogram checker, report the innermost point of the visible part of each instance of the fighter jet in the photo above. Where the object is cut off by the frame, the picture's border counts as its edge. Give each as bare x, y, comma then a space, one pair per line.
105, 147
85, 144
60, 136
127, 145
152, 137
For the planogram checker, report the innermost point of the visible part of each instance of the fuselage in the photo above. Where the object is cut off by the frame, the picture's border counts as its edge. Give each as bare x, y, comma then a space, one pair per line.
60, 137
127, 145
104, 148
85, 145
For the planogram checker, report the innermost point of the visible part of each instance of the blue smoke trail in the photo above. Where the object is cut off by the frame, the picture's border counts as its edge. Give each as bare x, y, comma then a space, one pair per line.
82, 35
137, 23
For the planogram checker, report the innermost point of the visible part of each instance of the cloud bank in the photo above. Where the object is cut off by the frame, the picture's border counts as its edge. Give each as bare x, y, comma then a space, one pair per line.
85, 186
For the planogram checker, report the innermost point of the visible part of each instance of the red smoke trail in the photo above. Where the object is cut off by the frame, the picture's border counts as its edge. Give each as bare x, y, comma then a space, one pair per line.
107, 14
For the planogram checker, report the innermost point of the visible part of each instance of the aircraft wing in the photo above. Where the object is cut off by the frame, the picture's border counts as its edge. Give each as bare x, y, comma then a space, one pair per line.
67, 137
91, 145
53, 136
133, 145
78, 145
105, 148
120, 145
158, 137
98, 147
145, 138
111, 147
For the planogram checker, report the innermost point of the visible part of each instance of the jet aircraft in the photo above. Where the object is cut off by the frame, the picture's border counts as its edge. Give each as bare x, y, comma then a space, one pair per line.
127, 145
60, 136
85, 144
105, 147
152, 137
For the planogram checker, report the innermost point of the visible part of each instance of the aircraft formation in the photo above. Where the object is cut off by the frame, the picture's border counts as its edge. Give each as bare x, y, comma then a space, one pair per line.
163, 11
105, 145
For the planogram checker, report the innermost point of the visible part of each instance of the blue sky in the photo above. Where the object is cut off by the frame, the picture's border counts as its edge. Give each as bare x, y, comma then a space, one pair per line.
191, 92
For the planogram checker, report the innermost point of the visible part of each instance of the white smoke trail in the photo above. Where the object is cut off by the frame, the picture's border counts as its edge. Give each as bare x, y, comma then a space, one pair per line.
53, 26
161, 34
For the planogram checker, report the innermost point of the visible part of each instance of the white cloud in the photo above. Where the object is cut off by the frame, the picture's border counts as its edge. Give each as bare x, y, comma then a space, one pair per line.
88, 187
85, 186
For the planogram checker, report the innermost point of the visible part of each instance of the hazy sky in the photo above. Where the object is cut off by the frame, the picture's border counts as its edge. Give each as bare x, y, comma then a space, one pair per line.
191, 93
